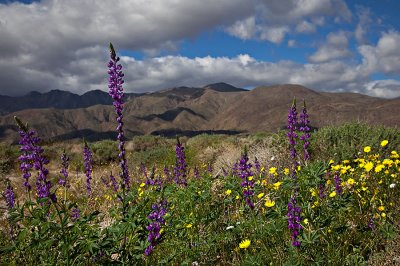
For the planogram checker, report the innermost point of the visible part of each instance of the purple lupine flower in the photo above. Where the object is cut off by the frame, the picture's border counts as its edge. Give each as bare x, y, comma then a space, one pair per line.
294, 220
144, 170
244, 172
304, 122
294, 211
235, 169
10, 196
113, 183
87, 158
371, 224
64, 170
32, 157
210, 168
292, 135
167, 174
224, 173
196, 172
75, 214
111, 180
338, 183
158, 183
157, 218
321, 191
115, 82
10, 201
180, 171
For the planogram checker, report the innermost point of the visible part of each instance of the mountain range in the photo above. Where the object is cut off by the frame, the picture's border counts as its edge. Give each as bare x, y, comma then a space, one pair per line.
215, 108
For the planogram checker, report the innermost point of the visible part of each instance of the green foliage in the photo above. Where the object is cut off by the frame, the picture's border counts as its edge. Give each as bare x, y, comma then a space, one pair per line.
104, 151
344, 142
8, 158
208, 219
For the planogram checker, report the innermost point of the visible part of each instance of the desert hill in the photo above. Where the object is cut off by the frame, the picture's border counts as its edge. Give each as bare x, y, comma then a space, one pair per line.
219, 108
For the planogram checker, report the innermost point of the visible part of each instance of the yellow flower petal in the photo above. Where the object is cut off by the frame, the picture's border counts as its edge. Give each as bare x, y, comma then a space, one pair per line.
269, 203
384, 143
245, 244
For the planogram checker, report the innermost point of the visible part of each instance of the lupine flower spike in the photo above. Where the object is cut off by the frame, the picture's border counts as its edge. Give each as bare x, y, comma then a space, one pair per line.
87, 158
180, 171
305, 129
294, 211
157, 218
116, 92
32, 157
246, 175
64, 170
292, 135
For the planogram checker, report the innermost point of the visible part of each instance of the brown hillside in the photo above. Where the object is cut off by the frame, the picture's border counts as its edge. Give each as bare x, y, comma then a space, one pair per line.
206, 109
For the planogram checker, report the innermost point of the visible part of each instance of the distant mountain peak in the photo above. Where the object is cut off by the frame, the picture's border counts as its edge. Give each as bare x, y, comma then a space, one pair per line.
222, 87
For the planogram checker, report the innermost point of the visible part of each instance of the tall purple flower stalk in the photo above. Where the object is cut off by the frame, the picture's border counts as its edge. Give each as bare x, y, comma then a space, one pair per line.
292, 135
110, 182
196, 172
64, 170
87, 158
244, 171
10, 201
294, 211
167, 174
210, 168
305, 129
157, 220
32, 157
338, 183
116, 92
180, 169
294, 219
10, 196
75, 214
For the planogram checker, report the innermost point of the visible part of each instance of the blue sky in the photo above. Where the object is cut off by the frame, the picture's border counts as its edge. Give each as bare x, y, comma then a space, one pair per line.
326, 45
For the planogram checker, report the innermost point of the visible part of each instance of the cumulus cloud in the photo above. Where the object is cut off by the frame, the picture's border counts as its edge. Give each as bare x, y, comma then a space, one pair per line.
364, 17
242, 71
69, 51
305, 26
388, 88
51, 55
384, 57
336, 46
274, 19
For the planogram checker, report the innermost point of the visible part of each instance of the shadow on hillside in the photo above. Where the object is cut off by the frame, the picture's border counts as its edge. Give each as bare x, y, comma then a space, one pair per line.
91, 135
192, 133
170, 115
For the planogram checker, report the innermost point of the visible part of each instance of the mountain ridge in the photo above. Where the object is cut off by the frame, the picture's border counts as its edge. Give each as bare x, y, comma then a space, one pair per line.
196, 110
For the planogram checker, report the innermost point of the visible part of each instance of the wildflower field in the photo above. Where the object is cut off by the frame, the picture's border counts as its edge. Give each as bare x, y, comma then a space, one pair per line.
296, 197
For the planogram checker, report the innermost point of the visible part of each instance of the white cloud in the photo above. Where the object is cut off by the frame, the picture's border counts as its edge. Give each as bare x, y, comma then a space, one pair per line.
274, 34
291, 43
44, 39
274, 19
243, 70
364, 17
388, 88
336, 46
384, 57
305, 27
244, 29
69, 51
